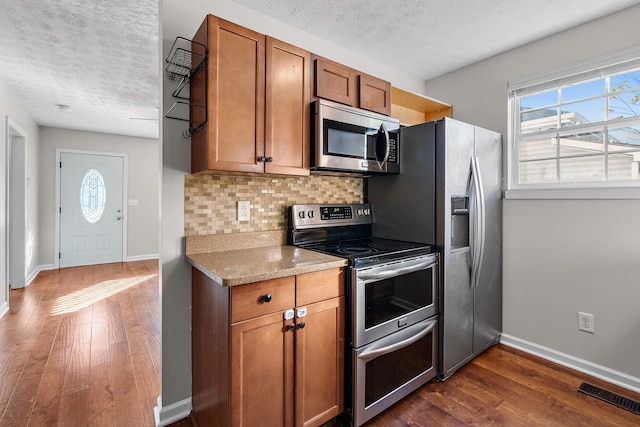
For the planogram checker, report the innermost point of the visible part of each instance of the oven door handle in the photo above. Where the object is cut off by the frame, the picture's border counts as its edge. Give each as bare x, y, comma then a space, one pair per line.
370, 276
375, 350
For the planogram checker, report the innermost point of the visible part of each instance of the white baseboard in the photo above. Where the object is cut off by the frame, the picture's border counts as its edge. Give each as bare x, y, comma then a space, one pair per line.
602, 372
4, 309
141, 257
165, 415
31, 277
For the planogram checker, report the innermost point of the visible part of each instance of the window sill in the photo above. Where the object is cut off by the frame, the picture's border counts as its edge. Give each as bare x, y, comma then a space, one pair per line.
573, 193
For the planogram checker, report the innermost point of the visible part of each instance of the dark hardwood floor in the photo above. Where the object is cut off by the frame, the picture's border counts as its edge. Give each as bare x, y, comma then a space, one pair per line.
505, 387
81, 346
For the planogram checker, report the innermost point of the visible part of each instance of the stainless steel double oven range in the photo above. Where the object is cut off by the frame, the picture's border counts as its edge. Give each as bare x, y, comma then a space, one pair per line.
392, 304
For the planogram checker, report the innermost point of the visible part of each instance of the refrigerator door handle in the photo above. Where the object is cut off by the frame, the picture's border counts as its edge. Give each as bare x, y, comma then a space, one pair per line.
480, 216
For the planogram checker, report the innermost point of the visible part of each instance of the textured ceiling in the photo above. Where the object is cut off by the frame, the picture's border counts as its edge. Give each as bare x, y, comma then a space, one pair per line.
100, 57
428, 38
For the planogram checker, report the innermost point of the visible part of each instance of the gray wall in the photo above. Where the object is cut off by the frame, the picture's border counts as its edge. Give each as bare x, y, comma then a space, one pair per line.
183, 19
561, 256
143, 182
12, 107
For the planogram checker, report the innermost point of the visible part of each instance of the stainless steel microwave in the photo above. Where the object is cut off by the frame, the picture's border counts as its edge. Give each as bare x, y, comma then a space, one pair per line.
350, 139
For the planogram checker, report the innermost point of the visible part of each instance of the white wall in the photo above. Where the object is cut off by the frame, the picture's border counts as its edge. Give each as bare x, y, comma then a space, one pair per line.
183, 19
143, 183
12, 107
562, 256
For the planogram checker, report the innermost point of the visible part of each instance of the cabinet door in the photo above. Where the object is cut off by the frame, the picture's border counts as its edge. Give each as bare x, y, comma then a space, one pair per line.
262, 372
375, 94
335, 82
319, 392
233, 137
287, 105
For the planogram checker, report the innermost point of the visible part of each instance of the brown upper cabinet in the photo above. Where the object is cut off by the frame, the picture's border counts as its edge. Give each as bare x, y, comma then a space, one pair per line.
345, 85
257, 92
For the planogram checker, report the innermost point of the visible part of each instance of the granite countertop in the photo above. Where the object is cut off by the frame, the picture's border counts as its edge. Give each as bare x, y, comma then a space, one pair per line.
241, 266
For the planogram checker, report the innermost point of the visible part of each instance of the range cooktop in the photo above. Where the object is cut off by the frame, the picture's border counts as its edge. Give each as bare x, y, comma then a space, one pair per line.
370, 250
345, 231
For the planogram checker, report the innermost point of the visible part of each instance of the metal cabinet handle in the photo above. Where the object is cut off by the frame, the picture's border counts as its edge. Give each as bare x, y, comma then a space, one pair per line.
301, 325
261, 159
291, 327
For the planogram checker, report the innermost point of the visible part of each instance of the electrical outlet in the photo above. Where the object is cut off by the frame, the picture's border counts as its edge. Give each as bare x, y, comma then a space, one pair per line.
244, 210
585, 322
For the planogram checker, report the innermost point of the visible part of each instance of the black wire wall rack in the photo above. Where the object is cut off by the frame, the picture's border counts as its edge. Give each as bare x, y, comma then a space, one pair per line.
185, 60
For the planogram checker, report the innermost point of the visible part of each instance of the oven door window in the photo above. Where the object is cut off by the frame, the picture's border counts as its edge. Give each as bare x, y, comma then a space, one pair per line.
391, 371
397, 296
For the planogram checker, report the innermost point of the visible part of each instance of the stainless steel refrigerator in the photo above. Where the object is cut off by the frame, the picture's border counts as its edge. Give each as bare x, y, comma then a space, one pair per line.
449, 193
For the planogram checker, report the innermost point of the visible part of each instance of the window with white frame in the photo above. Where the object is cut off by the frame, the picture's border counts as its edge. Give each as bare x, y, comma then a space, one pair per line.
578, 127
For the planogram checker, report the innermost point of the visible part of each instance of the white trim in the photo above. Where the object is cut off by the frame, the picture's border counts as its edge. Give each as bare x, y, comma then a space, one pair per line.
602, 372
165, 415
4, 309
621, 56
125, 197
31, 277
573, 193
141, 257
13, 129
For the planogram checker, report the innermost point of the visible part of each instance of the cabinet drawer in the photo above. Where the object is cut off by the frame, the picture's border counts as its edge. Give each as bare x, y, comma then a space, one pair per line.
319, 286
249, 301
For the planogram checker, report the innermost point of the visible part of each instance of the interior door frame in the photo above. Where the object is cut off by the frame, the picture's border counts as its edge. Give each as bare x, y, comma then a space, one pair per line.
16, 216
125, 186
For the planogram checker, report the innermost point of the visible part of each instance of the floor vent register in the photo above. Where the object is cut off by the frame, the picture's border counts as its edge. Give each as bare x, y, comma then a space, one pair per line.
609, 397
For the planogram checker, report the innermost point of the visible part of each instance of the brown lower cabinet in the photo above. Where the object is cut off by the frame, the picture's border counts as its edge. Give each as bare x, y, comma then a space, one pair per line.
254, 367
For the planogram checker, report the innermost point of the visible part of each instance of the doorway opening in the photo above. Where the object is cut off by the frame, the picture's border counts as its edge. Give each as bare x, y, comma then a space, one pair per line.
16, 212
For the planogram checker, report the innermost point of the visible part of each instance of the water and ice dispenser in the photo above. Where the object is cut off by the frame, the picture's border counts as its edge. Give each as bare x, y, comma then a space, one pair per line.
459, 222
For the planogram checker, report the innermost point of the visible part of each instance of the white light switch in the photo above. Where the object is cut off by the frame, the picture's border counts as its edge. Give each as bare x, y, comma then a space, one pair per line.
133, 202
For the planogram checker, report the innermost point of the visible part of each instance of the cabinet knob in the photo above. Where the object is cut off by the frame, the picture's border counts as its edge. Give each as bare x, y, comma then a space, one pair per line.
266, 298
291, 327
301, 325
269, 159
261, 159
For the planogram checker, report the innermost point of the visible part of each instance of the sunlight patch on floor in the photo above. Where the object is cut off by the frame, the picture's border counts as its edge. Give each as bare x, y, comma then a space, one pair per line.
85, 297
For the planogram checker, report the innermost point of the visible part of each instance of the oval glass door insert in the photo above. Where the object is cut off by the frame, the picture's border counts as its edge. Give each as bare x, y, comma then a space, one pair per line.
93, 196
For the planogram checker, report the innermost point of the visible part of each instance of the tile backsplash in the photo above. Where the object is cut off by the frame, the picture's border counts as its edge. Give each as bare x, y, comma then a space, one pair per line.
211, 200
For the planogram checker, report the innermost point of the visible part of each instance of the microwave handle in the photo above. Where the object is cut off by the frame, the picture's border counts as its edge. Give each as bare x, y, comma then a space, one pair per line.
387, 146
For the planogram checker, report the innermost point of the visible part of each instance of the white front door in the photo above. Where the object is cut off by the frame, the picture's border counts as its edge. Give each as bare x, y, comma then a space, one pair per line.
91, 209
